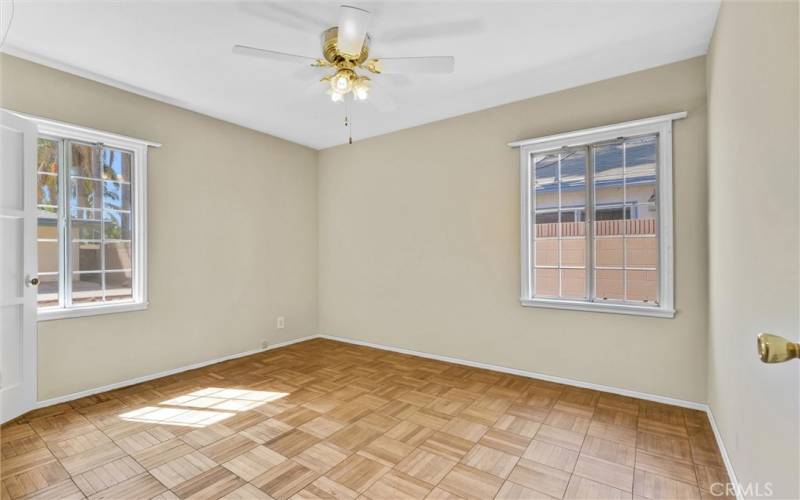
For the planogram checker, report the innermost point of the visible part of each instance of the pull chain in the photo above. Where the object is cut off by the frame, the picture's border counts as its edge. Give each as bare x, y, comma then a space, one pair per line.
348, 122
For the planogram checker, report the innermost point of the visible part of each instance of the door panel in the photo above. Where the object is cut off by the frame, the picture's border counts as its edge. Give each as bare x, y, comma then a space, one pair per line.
17, 265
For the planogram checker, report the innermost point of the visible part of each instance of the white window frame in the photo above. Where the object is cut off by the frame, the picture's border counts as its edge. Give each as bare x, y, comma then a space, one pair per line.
661, 125
65, 131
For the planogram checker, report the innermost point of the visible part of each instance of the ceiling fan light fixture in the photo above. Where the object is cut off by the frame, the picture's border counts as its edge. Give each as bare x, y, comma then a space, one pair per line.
343, 80
361, 88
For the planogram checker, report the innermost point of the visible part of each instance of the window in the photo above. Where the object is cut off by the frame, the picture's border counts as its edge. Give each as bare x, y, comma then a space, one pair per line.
597, 219
91, 221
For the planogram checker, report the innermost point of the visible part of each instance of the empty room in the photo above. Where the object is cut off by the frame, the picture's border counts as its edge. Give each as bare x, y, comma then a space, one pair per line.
380, 250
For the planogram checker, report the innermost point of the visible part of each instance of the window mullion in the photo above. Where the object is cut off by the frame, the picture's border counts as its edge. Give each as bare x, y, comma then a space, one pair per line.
63, 196
624, 222
67, 246
560, 229
590, 264
102, 223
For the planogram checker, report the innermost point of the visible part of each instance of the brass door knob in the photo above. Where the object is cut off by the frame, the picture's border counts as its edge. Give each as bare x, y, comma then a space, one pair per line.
33, 281
776, 349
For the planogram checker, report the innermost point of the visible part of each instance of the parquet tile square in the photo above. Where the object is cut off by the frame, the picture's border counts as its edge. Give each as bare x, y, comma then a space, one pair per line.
182, 469
358, 472
323, 419
206, 435
440, 494
94, 457
659, 427
354, 437
254, 462
162, 453
387, 450
707, 476
568, 420
397, 485
447, 445
518, 425
426, 466
19, 439
656, 487
505, 441
607, 415
266, 430
609, 451
297, 416
322, 426
26, 462
65, 490
141, 486
285, 479
467, 482
560, 437
228, 448
32, 479
378, 422
427, 418
490, 460
668, 446
466, 429
581, 488
213, 483
144, 439
108, 475
409, 433
540, 477
610, 432
78, 444
602, 471
247, 492
663, 466
551, 455
514, 491
322, 457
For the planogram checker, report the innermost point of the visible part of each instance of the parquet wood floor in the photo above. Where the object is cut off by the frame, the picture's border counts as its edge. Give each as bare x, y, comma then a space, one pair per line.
323, 419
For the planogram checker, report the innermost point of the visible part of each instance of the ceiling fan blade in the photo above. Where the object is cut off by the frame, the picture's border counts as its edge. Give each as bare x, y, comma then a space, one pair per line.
434, 64
272, 55
353, 24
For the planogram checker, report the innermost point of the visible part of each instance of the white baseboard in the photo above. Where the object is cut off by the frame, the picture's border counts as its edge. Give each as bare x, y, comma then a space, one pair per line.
524, 373
724, 452
145, 378
566, 381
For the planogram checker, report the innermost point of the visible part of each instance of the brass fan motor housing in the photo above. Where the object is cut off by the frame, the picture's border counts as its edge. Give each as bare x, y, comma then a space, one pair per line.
331, 52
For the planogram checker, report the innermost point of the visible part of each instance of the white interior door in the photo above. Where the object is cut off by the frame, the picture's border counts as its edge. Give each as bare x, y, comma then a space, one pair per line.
17, 265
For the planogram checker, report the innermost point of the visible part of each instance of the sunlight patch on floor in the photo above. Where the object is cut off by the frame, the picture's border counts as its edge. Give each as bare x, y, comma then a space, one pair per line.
216, 405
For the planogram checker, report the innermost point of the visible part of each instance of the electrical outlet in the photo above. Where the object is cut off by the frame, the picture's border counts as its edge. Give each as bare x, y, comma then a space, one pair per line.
280, 322
264, 344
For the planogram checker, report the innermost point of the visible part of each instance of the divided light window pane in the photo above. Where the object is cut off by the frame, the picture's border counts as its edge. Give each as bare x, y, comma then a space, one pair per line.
47, 171
624, 235
98, 215
559, 231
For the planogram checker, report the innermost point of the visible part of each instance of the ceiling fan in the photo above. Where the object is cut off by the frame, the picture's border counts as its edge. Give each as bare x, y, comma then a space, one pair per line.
345, 49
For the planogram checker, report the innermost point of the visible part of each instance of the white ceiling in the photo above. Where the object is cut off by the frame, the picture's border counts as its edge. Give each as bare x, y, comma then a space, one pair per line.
180, 52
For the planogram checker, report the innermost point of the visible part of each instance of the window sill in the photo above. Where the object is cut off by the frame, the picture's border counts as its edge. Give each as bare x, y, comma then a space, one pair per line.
79, 312
655, 312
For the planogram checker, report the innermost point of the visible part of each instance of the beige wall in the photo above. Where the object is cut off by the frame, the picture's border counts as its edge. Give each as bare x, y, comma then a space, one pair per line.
419, 241
232, 237
753, 187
